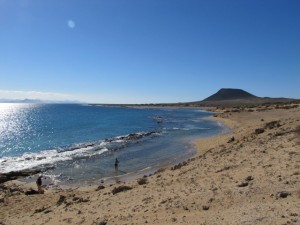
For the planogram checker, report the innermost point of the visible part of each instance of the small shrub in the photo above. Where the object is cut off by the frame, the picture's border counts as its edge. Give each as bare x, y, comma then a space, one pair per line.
161, 170
178, 166
205, 207
259, 130
100, 188
142, 181
272, 124
120, 189
62, 199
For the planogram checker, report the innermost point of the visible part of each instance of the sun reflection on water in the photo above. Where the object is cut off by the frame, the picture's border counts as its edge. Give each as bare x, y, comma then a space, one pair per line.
15, 123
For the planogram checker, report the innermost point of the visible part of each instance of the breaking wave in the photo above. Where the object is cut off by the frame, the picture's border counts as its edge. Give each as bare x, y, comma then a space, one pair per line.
47, 158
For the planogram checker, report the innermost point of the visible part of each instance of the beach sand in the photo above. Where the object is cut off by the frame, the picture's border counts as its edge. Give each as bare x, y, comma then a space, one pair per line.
254, 179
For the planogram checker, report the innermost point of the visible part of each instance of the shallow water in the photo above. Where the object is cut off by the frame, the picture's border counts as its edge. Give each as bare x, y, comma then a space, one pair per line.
77, 144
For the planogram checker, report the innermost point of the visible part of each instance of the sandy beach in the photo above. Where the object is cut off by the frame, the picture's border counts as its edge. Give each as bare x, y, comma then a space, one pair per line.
253, 179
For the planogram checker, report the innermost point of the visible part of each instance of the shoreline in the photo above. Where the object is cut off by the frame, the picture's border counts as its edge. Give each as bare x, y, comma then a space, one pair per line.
30, 174
29, 181
251, 180
127, 177
213, 141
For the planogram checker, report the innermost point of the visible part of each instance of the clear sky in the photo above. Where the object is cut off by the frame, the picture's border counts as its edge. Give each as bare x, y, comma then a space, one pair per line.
145, 51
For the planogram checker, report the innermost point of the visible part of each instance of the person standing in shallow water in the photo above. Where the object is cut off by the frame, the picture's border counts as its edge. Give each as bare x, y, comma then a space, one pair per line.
116, 164
39, 184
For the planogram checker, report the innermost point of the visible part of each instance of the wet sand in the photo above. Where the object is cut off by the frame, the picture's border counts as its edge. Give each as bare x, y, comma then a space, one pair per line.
254, 179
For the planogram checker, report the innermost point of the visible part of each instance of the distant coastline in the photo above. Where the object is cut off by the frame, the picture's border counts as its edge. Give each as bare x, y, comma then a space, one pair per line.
225, 97
211, 104
39, 101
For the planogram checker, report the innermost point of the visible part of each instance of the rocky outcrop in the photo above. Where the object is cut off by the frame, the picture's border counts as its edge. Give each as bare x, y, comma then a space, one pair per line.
17, 174
133, 136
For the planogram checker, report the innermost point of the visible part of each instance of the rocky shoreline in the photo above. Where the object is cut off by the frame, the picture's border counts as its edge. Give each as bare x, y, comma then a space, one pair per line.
126, 139
4, 177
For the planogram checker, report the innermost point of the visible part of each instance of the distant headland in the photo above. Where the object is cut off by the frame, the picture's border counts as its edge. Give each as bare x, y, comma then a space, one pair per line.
227, 97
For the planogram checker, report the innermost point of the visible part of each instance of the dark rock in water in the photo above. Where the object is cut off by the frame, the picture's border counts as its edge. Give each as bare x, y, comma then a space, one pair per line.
16, 174
133, 136
137, 135
120, 189
115, 144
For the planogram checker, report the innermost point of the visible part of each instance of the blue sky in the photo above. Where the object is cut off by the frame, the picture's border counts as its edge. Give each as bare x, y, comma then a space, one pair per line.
145, 51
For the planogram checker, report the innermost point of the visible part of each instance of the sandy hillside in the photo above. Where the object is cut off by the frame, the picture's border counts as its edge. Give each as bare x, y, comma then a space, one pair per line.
254, 179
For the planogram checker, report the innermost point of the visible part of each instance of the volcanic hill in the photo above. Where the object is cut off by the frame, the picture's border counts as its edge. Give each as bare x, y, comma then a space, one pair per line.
230, 94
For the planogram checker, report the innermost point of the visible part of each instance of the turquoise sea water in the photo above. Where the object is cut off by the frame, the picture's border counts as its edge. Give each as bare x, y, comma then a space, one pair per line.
80, 142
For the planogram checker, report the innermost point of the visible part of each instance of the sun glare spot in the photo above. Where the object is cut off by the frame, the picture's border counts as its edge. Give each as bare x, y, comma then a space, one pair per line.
71, 24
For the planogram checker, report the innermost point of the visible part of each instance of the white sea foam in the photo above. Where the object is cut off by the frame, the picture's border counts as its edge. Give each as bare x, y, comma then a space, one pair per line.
118, 141
46, 158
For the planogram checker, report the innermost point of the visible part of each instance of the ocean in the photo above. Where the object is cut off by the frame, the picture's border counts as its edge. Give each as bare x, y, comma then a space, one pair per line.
77, 144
